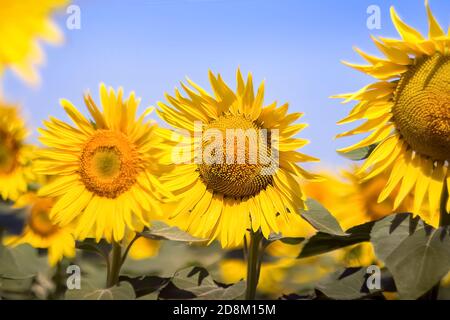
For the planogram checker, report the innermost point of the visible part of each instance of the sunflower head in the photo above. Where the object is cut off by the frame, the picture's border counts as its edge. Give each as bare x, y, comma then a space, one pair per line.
104, 168
408, 112
230, 176
15, 154
421, 106
239, 169
22, 23
109, 164
41, 232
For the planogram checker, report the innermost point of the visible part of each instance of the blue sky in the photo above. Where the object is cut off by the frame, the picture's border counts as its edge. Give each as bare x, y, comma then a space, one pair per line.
150, 45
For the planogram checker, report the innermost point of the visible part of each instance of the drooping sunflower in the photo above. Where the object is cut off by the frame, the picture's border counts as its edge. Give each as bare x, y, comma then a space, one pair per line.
22, 24
408, 110
105, 168
15, 154
40, 232
224, 197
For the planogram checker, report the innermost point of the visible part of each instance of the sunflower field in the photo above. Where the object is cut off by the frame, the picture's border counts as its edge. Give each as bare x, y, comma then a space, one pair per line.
214, 190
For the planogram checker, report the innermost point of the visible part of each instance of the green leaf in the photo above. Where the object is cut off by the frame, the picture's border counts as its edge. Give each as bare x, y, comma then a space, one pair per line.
359, 154
90, 245
19, 262
351, 284
287, 240
146, 285
324, 242
417, 255
16, 289
173, 256
123, 291
292, 241
321, 219
198, 282
161, 231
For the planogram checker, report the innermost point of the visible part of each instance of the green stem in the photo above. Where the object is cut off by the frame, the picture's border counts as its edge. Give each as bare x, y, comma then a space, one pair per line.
125, 254
444, 219
116, 263
245, 248
253, 264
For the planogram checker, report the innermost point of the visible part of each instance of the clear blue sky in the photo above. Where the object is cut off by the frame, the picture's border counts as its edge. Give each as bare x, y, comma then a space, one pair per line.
150, 45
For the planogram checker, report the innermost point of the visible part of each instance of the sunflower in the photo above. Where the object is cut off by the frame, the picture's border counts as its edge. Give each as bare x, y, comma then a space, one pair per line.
40, 232
142, 248
408, 110
22, 23
15, 154
224, 191
105, 167
353, 200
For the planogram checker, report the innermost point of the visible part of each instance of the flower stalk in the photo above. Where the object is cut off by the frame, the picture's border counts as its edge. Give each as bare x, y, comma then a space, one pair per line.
116, 264
444, 219
253, 264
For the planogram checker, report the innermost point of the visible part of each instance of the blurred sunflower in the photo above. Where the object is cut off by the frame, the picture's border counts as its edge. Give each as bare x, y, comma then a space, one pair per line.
222, 200
352, 200
22, 23
41, 232
144, 248
408, 112
15, 154
105, 167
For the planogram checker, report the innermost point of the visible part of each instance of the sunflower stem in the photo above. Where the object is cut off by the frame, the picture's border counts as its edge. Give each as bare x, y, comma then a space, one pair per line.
444, 219
127, 250
253, 264
116, 263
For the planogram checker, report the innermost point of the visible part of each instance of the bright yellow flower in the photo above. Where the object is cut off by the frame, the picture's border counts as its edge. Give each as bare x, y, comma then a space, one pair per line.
144, 248
408, 112
105, 167
41, 232
15, 154
22, 24
353, 201
222, 199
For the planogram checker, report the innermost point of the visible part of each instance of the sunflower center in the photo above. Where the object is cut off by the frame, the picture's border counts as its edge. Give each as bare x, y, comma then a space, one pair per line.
422, 107
109, 164
39, 220
8, 153
234, 143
